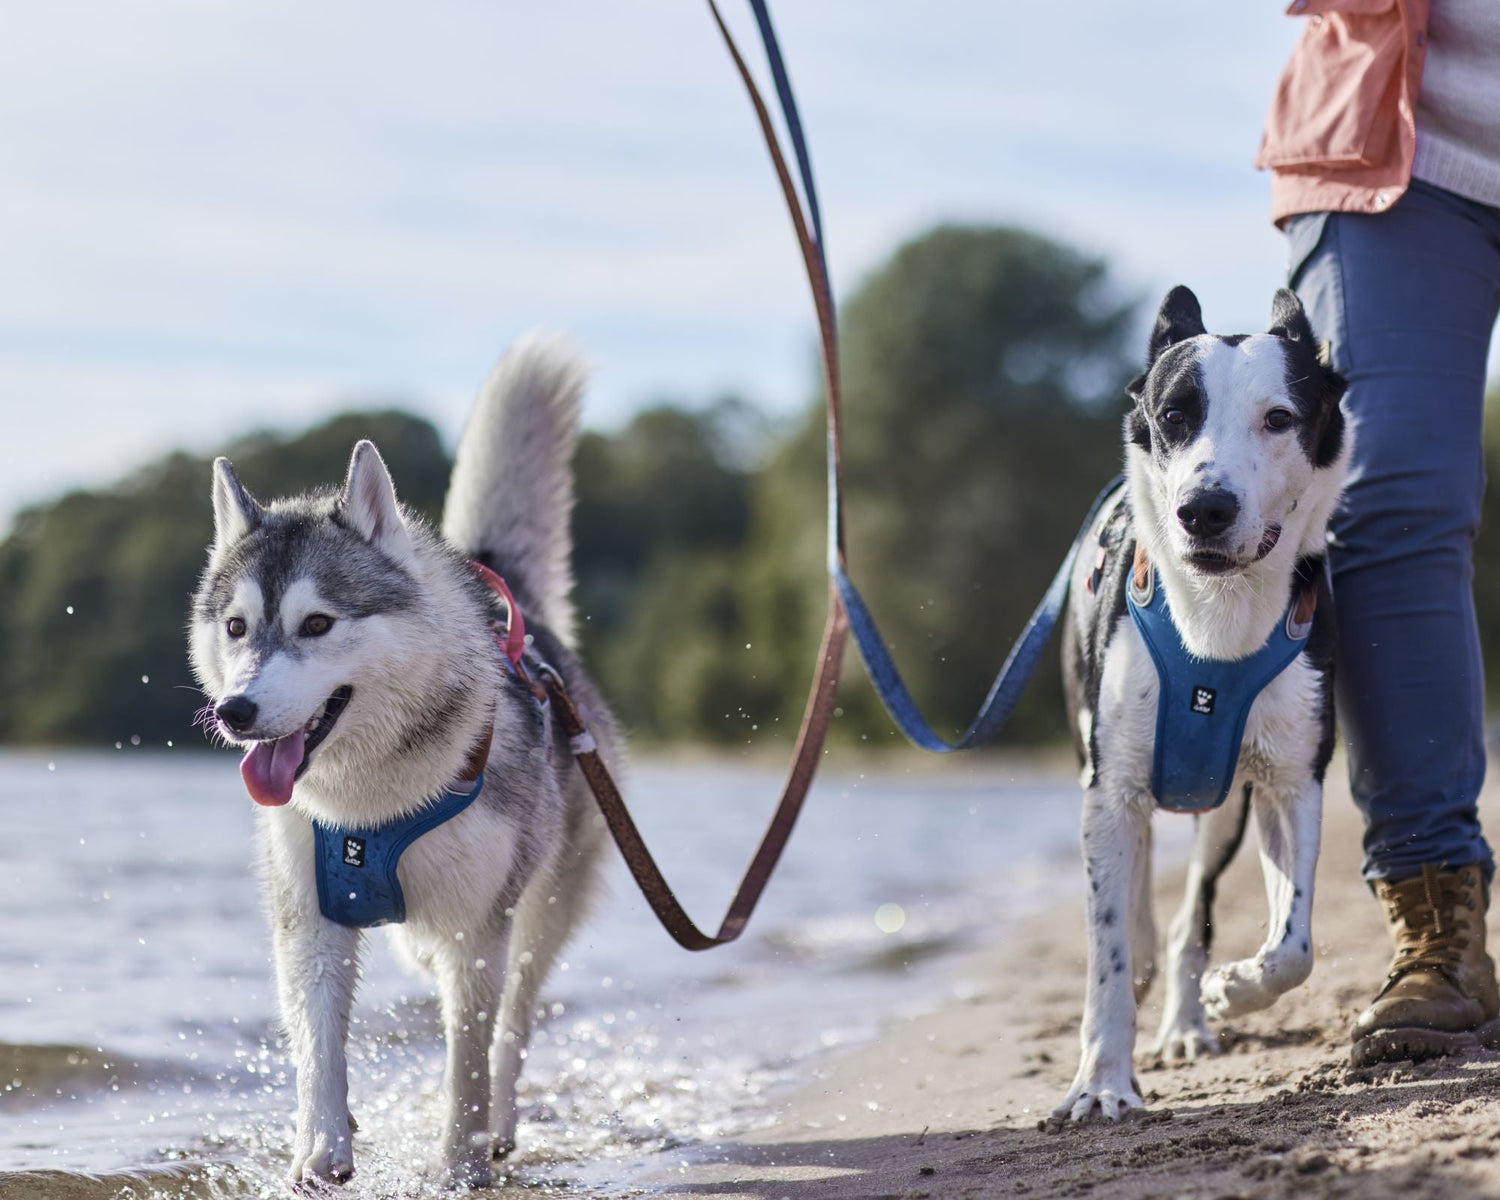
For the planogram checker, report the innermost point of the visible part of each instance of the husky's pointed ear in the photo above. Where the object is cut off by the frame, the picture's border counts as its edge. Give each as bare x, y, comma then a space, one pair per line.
1179, 318
369, 501
235, 511
1289, 320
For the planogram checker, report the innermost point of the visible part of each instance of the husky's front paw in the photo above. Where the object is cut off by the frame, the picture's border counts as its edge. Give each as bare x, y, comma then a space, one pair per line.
468, 1167
1184, 1039
506, 1119
324, 1151
1107, 1093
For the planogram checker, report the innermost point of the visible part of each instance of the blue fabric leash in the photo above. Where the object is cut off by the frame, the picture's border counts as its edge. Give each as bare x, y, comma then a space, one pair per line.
1021, 664
356, 867
1014, 675
1202, 704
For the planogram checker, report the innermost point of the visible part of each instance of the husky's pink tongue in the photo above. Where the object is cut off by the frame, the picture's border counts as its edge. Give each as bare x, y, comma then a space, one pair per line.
270, 769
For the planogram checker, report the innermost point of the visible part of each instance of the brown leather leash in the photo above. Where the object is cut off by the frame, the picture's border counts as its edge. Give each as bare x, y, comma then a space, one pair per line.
820, 698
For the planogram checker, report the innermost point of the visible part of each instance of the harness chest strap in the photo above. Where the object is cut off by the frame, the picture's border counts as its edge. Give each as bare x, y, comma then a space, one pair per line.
356, 867
1203, 704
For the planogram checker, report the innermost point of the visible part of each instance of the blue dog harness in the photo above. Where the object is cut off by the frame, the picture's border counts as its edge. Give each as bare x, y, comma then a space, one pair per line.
1202, 704
356, 868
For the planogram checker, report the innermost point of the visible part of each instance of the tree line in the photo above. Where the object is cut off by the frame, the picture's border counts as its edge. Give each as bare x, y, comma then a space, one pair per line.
984, 371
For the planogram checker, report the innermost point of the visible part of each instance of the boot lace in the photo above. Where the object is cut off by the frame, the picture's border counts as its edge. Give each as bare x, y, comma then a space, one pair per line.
1422, 909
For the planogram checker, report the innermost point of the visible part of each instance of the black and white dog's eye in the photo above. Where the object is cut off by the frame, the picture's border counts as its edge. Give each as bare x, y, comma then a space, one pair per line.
1174, 416
236, 627
316, 625
1278, 419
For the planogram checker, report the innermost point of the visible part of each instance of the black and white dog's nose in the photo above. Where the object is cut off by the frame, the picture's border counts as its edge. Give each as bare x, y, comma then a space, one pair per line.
1209, 512
237, 712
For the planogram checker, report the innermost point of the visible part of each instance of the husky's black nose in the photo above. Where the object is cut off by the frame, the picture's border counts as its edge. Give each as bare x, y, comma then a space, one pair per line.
237, 712
1209, 512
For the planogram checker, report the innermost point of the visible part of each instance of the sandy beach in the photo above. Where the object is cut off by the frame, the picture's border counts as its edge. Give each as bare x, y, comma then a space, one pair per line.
950, 1104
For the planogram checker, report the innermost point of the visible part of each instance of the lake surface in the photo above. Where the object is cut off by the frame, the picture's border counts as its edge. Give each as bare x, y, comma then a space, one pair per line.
138, 1048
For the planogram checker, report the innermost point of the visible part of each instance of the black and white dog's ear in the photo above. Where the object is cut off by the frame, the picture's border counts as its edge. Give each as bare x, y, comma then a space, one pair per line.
1331, 439
369, 501
1179, 318
1289, 319
235, 511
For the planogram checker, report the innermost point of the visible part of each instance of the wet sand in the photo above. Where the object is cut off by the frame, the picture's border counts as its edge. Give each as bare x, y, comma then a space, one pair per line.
950, 1104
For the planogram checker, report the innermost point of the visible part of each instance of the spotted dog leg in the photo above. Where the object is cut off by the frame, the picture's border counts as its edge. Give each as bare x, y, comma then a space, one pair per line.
1289, 825
1116, 834
1184, 1032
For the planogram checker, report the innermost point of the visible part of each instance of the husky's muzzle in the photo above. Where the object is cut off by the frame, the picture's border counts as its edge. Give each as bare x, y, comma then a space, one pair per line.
272, 766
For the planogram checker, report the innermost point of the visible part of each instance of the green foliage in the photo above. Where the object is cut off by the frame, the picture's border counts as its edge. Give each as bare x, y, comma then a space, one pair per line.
662, 514
981, 371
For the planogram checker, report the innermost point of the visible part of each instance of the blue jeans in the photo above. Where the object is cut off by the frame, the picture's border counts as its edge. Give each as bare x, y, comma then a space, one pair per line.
1408, 299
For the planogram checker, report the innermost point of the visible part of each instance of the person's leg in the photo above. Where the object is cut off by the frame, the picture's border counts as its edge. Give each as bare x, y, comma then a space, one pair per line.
1408, 299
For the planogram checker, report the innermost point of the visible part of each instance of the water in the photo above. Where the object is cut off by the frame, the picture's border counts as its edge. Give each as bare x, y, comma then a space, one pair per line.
138, 1049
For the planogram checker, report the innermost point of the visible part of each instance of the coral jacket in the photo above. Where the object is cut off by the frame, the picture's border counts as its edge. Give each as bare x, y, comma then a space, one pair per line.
1342, 131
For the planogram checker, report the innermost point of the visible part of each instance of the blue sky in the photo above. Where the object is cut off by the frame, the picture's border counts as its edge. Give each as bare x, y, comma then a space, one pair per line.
222, 217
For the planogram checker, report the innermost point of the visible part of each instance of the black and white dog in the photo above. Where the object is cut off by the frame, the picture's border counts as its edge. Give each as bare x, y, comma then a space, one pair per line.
1236, 452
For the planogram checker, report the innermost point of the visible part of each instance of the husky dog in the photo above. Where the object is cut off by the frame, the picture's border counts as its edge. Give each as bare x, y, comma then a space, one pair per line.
350, 649
1236, 453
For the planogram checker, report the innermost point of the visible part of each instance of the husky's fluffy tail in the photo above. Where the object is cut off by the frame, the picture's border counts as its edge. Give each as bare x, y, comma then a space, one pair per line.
511, 496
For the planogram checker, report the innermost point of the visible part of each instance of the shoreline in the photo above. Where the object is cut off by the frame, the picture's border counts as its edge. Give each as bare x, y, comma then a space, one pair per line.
953, 1103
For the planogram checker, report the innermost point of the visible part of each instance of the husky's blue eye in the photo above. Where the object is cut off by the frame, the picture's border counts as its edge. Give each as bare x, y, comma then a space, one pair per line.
316, 625
1278, 419
236, 627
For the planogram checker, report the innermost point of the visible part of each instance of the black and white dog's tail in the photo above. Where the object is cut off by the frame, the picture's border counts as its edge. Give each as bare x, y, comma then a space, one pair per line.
511, 497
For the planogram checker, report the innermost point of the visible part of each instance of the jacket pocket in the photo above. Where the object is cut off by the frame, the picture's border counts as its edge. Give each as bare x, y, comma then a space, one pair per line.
1337, 103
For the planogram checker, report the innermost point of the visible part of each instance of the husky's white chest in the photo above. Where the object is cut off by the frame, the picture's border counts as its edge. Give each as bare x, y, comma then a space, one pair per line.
451, 877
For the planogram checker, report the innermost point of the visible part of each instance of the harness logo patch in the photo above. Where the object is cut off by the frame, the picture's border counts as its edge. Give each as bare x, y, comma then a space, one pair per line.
1203, 700
354, 852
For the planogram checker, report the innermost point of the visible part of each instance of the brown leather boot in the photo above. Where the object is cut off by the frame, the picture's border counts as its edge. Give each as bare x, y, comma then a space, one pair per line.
1440, 997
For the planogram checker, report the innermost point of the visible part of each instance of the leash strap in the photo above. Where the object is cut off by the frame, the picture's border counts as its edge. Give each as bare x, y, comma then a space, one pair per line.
1020, 665
648, 876
1010, 683
818, 712
843, 598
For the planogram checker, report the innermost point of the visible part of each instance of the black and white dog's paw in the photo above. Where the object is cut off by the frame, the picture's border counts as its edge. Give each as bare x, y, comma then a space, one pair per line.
1103, 1092
1185, 1039
1254, 983
1237, 988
